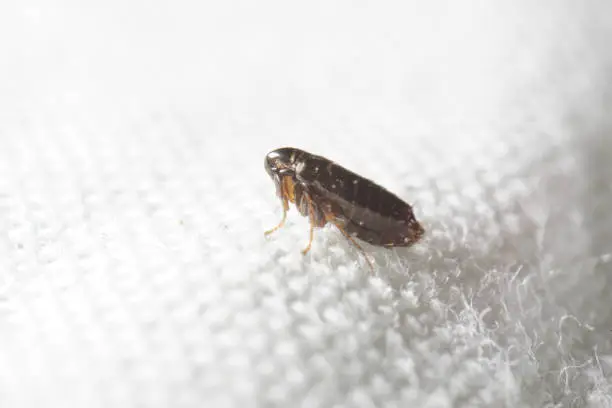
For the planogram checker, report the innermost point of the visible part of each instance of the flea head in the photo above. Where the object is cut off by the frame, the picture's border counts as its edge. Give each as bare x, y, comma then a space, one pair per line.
281, 162
281, 166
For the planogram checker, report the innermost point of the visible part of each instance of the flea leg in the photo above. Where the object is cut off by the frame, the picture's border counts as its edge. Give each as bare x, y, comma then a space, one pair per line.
282, 222
330, 219
312, 224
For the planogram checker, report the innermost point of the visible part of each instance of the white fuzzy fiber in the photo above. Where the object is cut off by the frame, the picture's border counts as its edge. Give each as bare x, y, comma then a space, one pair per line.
133, 199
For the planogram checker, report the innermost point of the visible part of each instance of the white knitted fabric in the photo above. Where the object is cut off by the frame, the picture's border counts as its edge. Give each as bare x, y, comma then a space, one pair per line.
133, 199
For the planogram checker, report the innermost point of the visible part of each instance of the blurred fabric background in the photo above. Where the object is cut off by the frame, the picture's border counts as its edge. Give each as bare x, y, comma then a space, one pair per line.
133, 200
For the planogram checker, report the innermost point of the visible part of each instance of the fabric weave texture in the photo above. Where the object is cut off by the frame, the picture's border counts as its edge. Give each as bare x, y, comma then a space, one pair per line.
133, 199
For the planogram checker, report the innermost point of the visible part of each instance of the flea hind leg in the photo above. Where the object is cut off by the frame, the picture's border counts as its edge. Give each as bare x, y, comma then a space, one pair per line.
305, 250
346, 234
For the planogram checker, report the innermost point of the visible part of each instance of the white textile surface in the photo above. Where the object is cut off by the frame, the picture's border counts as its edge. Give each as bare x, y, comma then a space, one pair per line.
133, 199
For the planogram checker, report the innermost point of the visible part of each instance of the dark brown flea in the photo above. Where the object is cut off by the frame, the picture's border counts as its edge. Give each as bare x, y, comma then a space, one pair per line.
326, 192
